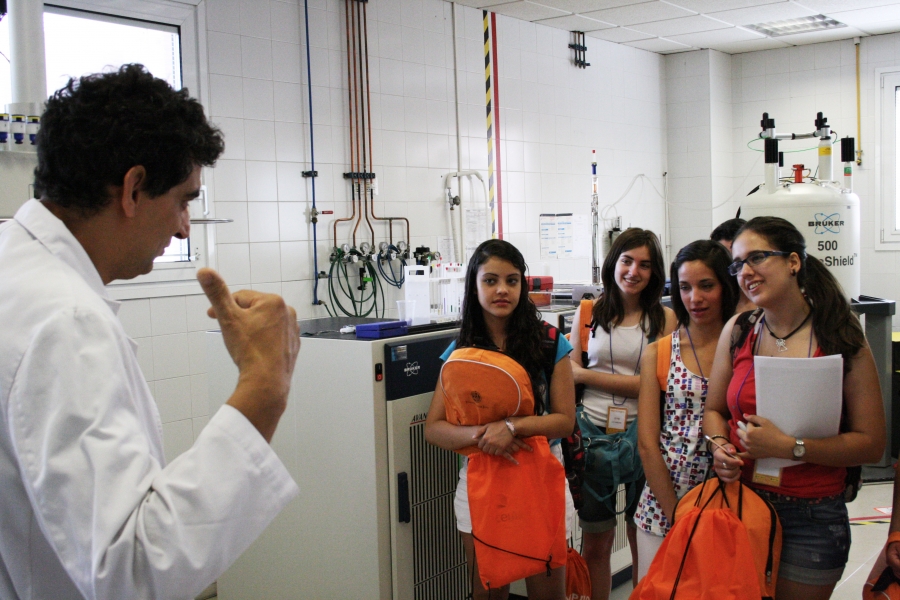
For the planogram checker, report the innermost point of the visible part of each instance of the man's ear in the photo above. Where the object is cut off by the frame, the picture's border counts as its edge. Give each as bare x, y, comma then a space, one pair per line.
129, 193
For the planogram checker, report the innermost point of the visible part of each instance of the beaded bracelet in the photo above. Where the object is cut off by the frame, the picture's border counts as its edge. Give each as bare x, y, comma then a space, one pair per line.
712, 437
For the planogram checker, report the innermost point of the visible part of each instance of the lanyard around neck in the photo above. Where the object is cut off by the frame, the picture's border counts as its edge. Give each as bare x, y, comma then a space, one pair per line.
694, 348
753, 350
612, 364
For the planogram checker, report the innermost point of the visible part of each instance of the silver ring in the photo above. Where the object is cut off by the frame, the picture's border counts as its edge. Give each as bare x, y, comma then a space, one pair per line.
724, 466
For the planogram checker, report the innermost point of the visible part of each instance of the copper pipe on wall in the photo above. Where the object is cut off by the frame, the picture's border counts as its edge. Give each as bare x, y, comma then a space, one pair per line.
350, 104
859, 152
366, 115
360, 124
390, 220
355, 183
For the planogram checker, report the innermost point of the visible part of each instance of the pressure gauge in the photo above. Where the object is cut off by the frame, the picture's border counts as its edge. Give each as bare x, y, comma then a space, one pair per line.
382, 247
365, 247
401, 246
345, 248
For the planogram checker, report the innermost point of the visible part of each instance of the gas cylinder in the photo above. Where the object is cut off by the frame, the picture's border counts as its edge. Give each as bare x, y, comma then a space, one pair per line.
828, 217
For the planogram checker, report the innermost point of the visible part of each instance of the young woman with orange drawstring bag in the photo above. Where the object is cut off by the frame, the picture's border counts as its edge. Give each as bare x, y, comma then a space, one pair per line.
492, 404
674, 383
803, 313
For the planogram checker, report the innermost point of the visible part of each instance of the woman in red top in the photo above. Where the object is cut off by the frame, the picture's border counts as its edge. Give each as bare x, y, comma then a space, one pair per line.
804, 314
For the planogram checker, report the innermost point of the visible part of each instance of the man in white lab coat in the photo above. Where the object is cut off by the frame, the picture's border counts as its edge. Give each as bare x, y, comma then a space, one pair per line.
88, 506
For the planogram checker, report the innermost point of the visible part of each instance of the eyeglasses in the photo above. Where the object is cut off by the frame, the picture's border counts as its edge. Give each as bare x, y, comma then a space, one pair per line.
754, 259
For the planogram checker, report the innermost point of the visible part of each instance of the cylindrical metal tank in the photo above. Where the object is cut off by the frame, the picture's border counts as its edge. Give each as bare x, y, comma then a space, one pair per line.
827, 216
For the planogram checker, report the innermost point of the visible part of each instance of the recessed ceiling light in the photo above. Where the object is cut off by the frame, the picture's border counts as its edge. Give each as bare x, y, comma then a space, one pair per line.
792, 26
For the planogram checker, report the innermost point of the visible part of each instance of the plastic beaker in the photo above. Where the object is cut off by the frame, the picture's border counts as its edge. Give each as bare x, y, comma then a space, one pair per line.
406, 309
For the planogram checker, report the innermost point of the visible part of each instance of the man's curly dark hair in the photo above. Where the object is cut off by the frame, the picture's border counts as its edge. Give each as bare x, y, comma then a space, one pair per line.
99, 126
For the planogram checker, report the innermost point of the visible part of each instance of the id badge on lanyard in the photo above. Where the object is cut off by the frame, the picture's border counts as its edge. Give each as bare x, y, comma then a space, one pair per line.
616, 419
765, 478
617, 415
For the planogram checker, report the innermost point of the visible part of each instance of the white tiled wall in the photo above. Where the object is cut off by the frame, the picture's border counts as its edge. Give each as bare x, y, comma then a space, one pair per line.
720, 124
711, 170
552, 115
792, 85
689, 95
690, 114
172, 355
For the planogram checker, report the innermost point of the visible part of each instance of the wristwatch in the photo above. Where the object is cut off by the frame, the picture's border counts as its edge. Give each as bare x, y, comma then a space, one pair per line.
799, 450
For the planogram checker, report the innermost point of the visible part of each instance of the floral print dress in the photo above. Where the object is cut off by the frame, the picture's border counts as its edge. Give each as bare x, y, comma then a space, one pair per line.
680, 439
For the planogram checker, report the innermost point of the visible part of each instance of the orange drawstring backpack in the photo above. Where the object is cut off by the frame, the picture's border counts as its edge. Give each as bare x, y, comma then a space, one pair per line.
881, 584
724, 544
578, 578
518, 511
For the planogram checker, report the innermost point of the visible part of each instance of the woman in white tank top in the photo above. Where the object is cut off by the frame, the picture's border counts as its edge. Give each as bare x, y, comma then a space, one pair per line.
626, 317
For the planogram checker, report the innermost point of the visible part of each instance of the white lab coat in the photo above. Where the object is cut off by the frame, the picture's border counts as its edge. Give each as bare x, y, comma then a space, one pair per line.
88, 507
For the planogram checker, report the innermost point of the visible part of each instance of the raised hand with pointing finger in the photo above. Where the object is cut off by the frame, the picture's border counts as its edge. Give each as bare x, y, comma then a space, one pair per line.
262, 336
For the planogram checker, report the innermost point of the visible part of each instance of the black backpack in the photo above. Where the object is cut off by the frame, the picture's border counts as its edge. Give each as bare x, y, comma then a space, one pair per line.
572, 447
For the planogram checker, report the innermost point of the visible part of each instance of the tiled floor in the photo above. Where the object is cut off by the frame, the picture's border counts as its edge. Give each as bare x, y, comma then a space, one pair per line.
868, 535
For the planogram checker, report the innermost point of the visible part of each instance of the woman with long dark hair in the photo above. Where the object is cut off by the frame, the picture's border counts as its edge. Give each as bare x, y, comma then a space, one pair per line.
673, 454
803, 313
498, 315
625, 319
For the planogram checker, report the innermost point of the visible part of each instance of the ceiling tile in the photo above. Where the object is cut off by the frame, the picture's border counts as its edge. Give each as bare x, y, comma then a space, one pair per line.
868, 16
751, 46
828, 35
659, 45
671, 27
619, 35
583, 6
763, 14
708, 6
575, 23
828, 6
527, 11
644, 12
713, 39
881, 28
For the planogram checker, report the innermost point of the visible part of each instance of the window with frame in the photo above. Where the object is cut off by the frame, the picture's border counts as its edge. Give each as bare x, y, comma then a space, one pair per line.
88, 36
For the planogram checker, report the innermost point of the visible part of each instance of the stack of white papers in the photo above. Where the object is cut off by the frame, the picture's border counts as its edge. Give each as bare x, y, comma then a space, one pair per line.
801, 396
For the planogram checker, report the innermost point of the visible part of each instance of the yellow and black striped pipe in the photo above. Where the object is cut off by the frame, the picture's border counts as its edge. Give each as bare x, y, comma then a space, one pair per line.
492, 110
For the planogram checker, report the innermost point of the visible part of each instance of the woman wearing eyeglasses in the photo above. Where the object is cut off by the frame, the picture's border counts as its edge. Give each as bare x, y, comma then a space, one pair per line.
803, 313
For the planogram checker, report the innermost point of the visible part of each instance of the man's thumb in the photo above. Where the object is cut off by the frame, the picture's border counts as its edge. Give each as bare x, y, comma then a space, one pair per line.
216, 290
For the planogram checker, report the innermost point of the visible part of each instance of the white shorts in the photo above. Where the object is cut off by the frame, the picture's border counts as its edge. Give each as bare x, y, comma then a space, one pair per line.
461, 502
647, 546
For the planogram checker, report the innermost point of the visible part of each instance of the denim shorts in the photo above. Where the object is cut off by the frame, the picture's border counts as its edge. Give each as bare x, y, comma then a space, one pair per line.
815, 538
595, 517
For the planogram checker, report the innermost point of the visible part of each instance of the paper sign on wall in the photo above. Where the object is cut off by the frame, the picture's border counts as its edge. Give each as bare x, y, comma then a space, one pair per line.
476, 228
582, 236
564, 235
548, 232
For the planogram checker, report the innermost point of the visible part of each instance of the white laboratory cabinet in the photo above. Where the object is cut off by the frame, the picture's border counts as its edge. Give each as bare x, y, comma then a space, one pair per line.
374, 518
